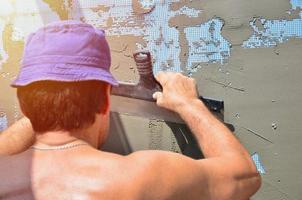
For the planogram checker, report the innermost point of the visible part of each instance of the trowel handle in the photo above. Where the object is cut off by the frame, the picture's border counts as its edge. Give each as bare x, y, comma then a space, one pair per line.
144, 67
143, 62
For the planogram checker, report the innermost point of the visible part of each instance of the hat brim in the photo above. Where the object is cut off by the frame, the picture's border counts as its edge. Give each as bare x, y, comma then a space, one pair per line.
62, 72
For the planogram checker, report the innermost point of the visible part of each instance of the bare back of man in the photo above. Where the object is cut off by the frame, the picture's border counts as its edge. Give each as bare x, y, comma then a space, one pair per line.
86, 173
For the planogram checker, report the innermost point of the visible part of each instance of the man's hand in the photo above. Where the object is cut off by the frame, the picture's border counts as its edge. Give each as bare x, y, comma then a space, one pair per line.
178, 91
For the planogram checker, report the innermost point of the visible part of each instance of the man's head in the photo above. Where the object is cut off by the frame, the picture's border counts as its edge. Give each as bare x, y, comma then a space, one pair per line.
64, 80
68, 106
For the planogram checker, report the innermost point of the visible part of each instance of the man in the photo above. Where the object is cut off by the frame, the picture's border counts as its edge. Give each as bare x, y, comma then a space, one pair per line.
63, 89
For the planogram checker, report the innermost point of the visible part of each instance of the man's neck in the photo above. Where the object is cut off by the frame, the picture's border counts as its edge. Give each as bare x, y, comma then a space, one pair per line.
55, 138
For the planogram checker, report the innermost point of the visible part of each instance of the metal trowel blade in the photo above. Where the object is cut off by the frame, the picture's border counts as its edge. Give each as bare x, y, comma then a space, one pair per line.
142, 108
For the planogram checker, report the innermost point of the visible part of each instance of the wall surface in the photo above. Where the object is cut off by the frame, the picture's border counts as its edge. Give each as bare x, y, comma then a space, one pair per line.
246, 52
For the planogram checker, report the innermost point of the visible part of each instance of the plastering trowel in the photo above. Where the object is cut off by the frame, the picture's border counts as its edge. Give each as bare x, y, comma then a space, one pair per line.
137, 100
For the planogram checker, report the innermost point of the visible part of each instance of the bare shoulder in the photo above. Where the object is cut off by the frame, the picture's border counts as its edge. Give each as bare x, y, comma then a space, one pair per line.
152, 175
136, 176
136, 163
166, 175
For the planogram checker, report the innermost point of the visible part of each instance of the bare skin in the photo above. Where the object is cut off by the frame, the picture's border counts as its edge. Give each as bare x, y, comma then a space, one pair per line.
12, 136
83, 172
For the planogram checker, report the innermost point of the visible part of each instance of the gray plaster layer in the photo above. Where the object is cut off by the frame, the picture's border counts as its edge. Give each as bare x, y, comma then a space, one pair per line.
237, 14
273, 95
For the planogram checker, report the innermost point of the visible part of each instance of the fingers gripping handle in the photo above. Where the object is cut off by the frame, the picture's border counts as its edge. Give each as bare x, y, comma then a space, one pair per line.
147, 80
148, 85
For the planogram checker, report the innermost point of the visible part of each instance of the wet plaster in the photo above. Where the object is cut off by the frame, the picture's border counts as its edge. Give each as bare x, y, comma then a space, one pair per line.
272, 95
211, 80
237, 13
271, 32
148, 134
123, 65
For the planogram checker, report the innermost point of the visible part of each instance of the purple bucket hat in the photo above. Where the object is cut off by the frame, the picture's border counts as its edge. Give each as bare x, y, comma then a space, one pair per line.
66, 51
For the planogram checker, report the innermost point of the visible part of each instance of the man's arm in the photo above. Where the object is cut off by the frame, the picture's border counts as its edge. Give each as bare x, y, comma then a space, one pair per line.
17, 138
226, 173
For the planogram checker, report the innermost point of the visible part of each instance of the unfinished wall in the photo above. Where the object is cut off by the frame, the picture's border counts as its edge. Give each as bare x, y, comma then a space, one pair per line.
247, 52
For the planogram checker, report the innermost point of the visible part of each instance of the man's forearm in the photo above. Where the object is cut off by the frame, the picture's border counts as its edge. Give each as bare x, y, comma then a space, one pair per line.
213, 137
17, 138
229, 160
